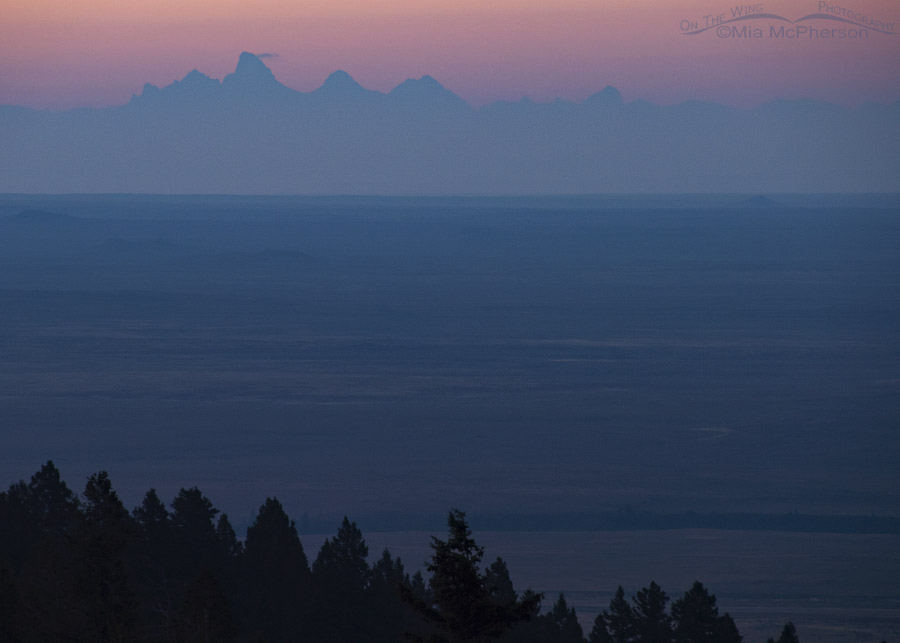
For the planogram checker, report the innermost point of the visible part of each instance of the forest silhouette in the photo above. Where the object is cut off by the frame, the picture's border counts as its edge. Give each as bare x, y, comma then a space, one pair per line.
82, 568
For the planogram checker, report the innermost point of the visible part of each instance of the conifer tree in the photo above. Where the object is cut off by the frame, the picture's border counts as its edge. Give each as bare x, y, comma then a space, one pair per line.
600, 631
499, 584
9, 605
19, 527
51, 502
195, 546
151, 516
619, 618
107, 531
341, 565
651, 622
565, 622
192, 521
277, 585
231, 547
388, 572
390, 615
463, 608
154, 565
204, 615
419, 589
53, 608
341, 576
788, 634
697, 619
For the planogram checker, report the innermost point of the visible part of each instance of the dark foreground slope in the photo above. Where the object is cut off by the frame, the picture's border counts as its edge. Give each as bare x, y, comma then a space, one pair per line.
83, 568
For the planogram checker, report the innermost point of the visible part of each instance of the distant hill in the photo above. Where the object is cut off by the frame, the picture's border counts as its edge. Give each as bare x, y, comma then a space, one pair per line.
250, 134
38, 217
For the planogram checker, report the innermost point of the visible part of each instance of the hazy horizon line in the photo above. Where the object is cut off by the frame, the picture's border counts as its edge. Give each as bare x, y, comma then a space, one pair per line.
525, 98
452, 195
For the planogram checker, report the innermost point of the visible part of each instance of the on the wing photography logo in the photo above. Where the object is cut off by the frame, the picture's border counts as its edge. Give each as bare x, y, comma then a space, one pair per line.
753, 21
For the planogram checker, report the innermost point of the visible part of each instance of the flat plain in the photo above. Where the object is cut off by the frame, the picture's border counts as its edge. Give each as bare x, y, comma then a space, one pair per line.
391, 358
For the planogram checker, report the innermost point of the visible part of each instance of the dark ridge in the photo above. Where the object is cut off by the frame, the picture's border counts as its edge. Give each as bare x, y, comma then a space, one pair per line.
39, 217
118, 244
263, 259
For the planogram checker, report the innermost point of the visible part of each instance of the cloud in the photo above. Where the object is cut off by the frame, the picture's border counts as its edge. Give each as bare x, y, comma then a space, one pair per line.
268, 56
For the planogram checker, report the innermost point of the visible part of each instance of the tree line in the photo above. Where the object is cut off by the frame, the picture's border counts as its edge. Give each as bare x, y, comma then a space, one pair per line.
82, 568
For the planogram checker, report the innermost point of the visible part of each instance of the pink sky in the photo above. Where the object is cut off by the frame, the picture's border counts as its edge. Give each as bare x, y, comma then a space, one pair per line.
64, 53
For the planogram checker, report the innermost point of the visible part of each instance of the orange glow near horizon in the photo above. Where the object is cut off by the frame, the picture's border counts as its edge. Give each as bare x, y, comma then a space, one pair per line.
60, 54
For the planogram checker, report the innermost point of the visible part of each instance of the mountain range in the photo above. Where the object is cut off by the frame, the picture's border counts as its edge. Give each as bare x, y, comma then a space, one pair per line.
249, 133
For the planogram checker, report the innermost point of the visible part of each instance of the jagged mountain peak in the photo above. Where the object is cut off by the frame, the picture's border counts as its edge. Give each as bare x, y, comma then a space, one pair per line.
341, 81
424, 83
147, 91
425, 89
608, 96
250, 70
193, 86
195, 76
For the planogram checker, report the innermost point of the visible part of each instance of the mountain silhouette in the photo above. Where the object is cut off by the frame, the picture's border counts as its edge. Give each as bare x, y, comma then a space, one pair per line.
341, 83
194, 87
249, 133
340, 91
426, 91
250, 69
607, 97
251, 74
252, 79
